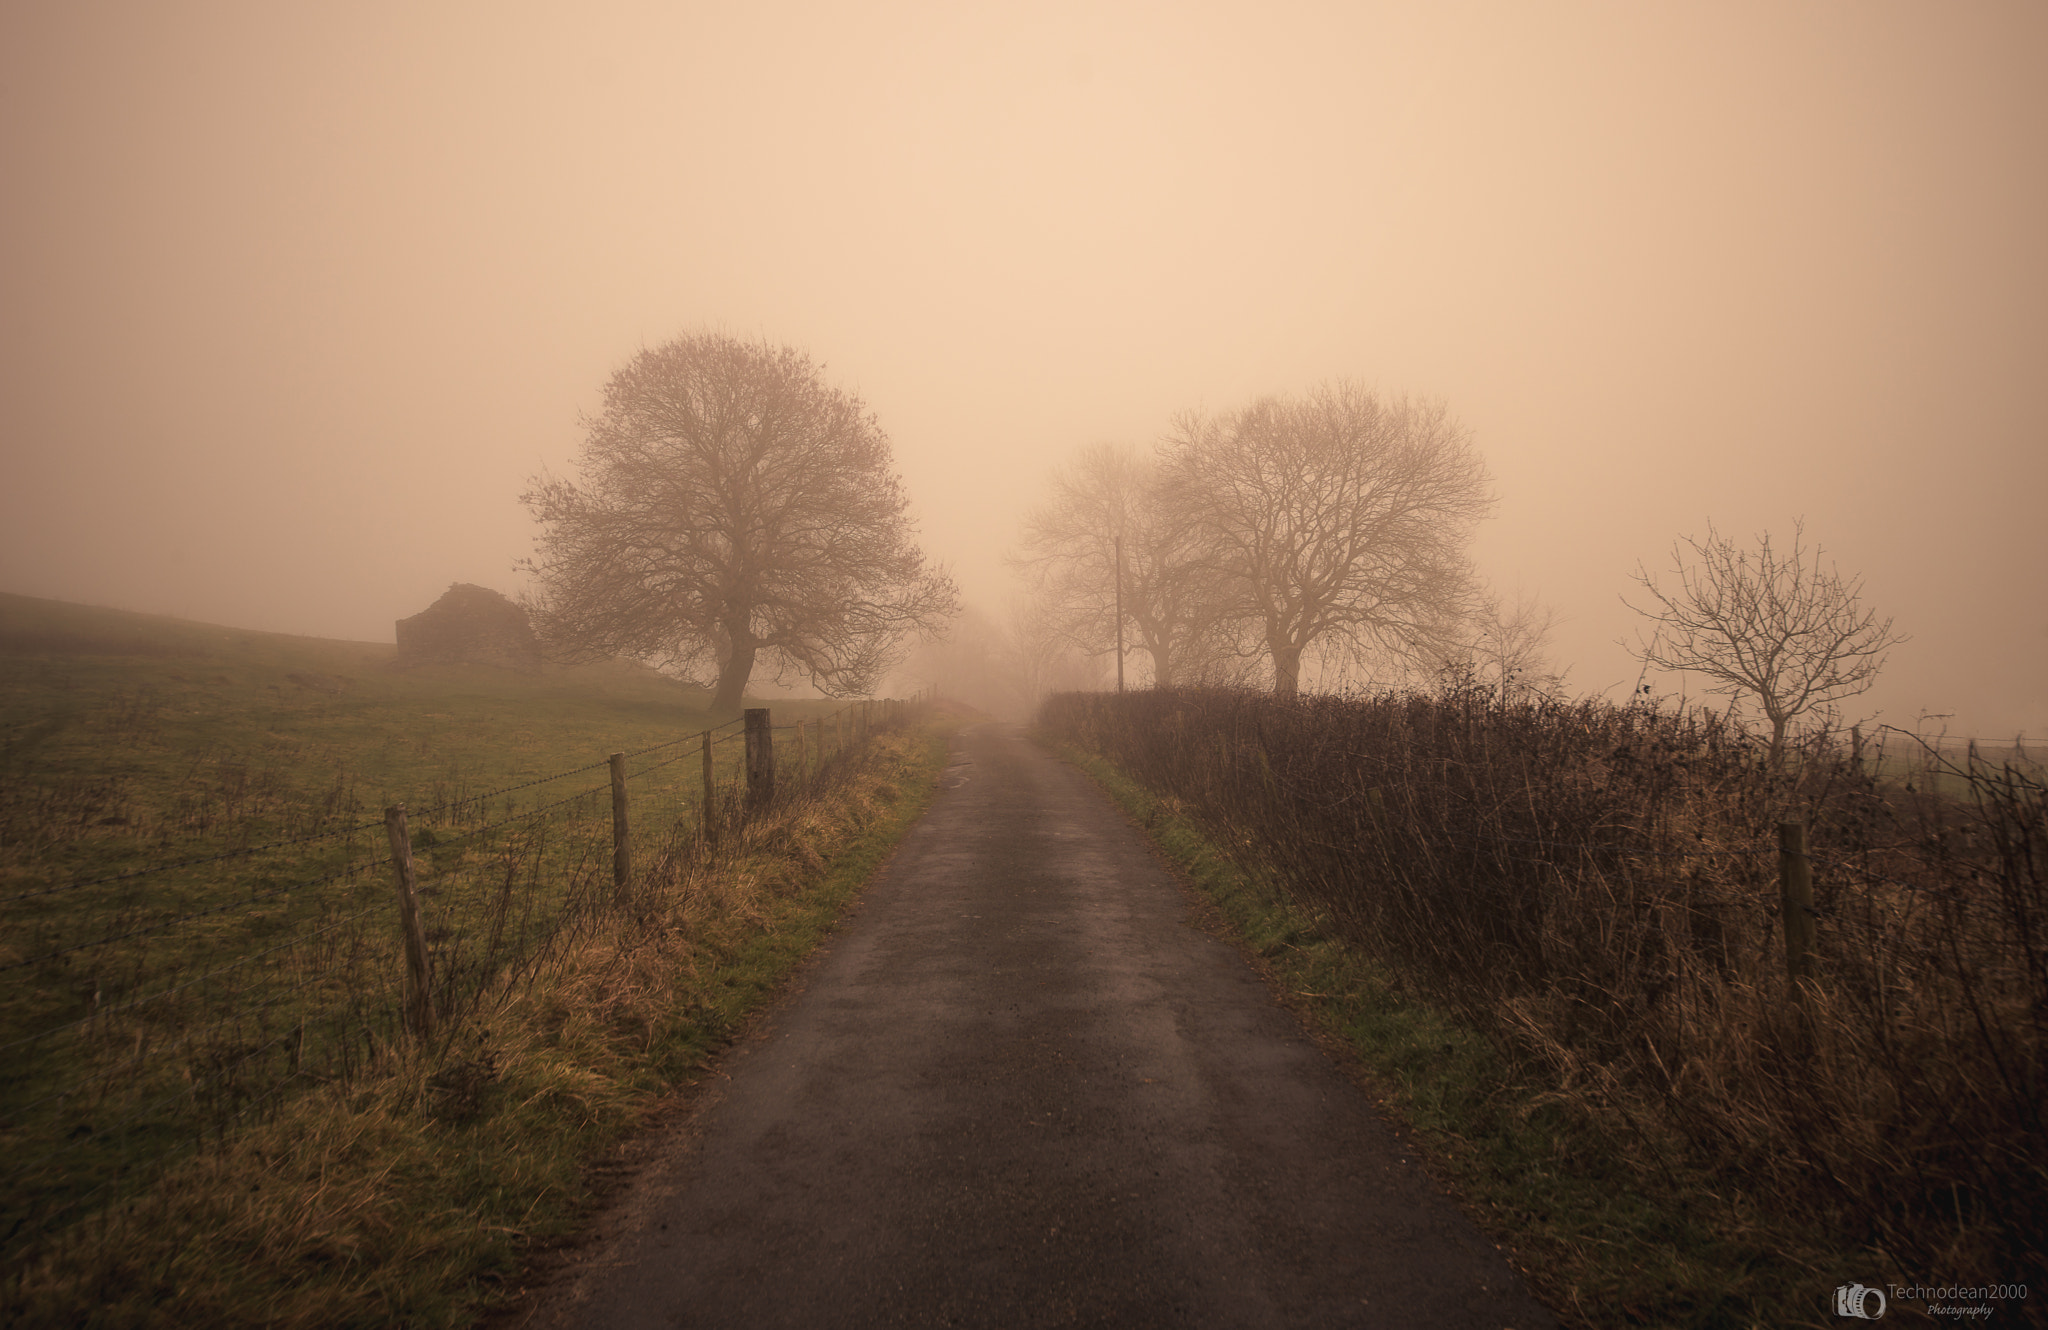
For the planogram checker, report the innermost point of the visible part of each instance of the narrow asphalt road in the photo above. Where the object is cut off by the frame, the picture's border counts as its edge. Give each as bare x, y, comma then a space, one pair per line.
1022, 1089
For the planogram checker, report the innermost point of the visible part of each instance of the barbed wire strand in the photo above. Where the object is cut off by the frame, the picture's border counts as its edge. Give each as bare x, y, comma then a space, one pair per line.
509, 789
284, 890
1643, 852
572, 771
247, 850
526, 816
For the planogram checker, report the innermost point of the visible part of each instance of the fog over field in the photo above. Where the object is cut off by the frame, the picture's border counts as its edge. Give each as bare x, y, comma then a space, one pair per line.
294, 300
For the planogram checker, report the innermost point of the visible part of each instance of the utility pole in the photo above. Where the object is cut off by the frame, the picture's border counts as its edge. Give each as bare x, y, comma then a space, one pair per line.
1119, 611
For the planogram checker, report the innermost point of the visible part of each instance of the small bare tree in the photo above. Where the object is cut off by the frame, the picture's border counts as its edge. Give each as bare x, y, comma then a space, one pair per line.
1783, 628
1335, 521
1043, 659
1503, 647
1107, 504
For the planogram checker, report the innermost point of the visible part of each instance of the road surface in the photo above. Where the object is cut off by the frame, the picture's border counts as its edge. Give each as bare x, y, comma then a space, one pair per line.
1021, 1089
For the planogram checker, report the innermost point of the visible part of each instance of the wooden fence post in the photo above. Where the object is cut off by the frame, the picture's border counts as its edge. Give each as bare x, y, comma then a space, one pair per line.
803, 763
622, 844
760, 758
1795, 883
419, 996
710, 793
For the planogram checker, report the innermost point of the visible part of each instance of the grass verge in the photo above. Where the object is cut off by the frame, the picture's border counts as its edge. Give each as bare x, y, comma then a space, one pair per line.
415, 1193
196, 916
1599, 1209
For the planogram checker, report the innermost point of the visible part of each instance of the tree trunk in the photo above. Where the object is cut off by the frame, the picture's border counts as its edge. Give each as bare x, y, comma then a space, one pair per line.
1286, 670
1162, 667
733, 674
1777, 757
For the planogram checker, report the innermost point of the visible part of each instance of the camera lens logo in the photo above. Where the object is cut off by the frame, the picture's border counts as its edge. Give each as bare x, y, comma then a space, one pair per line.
1866, 1304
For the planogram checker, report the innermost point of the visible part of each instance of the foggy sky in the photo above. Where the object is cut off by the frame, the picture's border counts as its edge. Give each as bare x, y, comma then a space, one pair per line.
294, 300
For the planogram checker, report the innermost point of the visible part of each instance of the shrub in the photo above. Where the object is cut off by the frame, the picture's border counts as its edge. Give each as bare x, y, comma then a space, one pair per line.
1596, 886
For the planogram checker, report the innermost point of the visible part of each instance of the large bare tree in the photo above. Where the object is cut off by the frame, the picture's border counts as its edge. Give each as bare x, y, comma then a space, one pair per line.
1337, 521
1108, 517
733, 507
1784, 628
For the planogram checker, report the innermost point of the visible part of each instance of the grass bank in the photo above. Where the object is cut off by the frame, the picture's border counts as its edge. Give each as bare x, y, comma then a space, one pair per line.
197, 917
413, 1194
200, 967
1602, 1213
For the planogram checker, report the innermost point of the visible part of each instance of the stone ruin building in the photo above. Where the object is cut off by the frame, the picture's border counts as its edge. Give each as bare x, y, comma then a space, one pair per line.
469, 625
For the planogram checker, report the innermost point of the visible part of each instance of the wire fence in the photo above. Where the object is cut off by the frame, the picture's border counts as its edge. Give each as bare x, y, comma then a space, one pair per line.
147, 1013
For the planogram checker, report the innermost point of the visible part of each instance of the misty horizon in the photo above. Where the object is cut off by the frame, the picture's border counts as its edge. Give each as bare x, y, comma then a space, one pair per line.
297, 305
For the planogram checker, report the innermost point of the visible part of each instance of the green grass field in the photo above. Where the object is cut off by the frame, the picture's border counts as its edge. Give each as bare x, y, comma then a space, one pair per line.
123, 735
197, 915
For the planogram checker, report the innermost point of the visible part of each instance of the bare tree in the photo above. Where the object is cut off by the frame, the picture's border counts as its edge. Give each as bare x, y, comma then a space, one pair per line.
1003, 667
733, 507
1335, 521
1502, 646
969, 664
1786, 629
1108, 517
1042, 658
